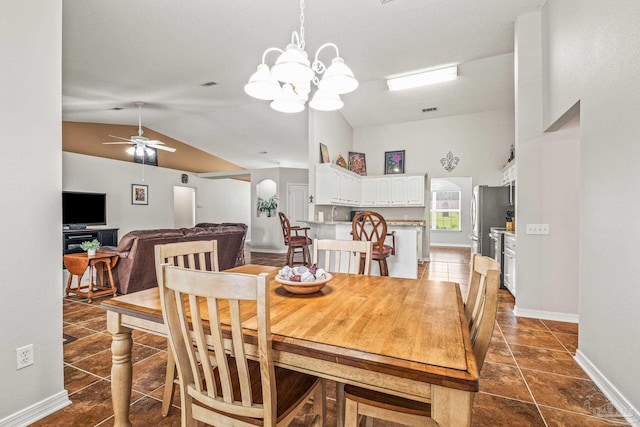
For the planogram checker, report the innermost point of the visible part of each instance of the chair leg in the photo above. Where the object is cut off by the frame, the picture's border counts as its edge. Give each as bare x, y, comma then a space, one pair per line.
351, 413
307, 256
169, 385
340, 404
384, 269
290, 256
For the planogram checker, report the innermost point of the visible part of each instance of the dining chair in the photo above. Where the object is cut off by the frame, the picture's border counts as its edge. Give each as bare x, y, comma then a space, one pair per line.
371, 226
205, 310
336, 255
197, 255
295, 241
362, 402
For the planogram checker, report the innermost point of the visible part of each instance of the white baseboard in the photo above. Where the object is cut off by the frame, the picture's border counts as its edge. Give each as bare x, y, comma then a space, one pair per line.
624, 407
37, 411
546, 315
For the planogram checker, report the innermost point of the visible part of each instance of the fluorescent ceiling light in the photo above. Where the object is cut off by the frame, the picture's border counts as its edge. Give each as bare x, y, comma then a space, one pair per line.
423, 79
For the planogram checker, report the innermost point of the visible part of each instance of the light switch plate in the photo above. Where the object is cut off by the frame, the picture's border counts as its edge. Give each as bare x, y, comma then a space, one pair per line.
537, 228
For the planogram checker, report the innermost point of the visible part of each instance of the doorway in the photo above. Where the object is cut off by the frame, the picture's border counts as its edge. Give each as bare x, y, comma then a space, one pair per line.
297, 202
184, 207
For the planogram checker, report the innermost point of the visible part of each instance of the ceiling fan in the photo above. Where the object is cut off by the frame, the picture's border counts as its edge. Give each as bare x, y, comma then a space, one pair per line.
139, 142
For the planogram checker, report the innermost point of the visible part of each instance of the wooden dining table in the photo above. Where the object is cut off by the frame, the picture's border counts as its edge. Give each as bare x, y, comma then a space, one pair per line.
406, 337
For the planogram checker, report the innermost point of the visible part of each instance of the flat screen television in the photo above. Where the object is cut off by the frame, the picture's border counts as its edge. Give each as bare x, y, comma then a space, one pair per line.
82, 209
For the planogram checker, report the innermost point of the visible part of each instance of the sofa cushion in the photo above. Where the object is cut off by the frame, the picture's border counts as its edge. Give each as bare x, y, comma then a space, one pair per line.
126, 242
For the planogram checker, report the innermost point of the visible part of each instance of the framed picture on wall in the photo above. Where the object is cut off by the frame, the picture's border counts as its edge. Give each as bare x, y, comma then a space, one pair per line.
393, 162
357, 163
324, 154
139, 194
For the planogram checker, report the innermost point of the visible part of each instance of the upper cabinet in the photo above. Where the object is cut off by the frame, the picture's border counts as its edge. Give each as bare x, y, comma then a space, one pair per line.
509, 173
337, 186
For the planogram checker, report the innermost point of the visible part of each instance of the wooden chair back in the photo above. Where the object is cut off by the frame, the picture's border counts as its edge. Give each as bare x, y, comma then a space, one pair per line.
196, 255
370, 226
286, 227
337, 255
195, 304
481, 303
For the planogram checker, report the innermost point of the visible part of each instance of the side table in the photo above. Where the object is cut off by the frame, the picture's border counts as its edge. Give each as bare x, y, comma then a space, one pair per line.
77, 264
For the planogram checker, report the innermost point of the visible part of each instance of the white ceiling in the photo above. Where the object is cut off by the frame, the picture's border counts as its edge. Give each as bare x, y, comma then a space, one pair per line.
119, 51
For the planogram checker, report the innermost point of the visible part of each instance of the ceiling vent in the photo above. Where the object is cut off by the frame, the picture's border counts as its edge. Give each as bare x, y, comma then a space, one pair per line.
430, 109
116, 109
207, 84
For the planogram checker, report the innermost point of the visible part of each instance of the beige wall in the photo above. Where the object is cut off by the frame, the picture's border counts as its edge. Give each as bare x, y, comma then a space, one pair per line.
31, 173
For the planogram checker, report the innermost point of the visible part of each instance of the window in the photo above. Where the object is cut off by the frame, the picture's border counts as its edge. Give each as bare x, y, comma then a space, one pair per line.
445, 210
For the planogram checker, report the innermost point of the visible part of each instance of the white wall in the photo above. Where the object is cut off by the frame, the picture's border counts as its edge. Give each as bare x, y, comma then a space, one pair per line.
218, 200
590, 54
481, 141
30, 119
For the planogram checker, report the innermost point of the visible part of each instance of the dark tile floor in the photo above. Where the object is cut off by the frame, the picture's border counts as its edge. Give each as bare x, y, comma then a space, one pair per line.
529, 377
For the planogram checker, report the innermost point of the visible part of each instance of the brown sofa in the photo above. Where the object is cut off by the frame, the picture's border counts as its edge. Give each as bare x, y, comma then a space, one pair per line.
135, 270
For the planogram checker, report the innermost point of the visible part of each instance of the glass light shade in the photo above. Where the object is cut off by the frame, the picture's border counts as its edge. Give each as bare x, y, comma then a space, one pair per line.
302, 89
139, 151
262, 85
338, 78
292, 66
149, 151
288, 101
131, 150
325, 101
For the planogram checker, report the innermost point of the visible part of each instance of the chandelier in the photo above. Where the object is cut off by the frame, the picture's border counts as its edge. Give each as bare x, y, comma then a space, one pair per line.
296, 73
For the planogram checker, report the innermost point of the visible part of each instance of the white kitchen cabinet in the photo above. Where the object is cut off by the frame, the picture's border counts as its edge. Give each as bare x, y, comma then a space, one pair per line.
368, 191
509, 173
336, 186
510, 263
383, 192
408, 190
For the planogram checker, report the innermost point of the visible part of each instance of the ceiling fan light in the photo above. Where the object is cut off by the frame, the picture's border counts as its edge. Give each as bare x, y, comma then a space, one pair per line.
262, 85
338, 78
139, 151
288, 101
149, 151
326, 101
131, 150
292, 66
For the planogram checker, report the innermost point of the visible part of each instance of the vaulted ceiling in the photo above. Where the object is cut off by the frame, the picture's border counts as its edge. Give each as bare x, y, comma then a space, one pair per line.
117, 52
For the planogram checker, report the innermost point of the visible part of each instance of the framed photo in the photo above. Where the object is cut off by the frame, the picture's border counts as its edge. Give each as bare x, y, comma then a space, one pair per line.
139, 194
357, 163
324, 154
393, 162
148, 158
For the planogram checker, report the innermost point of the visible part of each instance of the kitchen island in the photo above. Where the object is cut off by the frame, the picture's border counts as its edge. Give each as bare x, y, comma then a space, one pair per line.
409, 243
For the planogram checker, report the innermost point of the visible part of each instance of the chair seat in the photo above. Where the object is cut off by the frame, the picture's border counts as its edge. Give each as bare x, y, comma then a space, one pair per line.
292, 387
386, 251
386, 401
299, 241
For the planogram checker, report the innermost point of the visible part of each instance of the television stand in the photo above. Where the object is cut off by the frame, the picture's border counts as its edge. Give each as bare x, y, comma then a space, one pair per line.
72, 238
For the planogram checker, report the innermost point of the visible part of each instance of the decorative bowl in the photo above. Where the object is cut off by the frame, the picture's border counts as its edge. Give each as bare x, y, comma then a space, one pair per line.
304, 287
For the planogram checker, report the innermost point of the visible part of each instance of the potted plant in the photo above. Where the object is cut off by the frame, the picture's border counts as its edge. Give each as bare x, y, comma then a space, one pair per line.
267, 205
90, 246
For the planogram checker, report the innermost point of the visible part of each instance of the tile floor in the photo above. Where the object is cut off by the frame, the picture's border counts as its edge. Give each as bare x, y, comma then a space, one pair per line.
529, 377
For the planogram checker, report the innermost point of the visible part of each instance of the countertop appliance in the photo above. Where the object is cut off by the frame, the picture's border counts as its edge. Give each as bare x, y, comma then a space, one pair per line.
489, 206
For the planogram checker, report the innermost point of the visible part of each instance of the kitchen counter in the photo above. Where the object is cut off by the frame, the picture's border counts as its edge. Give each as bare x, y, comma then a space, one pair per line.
503, 230
409, 237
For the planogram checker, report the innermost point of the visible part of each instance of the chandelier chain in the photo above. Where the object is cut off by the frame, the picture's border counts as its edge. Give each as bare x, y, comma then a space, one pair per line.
302, 24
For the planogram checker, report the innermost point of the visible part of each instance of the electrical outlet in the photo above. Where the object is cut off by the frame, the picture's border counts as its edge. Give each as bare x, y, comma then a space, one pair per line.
24, 356
537, 228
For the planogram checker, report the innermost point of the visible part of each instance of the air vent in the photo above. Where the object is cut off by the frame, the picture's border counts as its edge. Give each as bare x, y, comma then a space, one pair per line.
430, 109
116, 109
207, 84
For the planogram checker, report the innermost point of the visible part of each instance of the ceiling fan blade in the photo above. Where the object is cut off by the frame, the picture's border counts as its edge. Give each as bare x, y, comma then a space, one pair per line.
160, 147
119, 143
154, 142
119, 137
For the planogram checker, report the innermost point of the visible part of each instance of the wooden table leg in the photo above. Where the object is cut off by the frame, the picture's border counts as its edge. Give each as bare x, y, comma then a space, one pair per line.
111, 282
91, 269
121, 369
450, 407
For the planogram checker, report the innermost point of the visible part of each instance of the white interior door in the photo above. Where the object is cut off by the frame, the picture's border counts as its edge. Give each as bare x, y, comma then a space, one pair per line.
297, 202
184, 207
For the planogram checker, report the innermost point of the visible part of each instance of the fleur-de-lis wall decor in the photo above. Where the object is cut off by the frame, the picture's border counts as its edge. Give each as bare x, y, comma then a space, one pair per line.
449, 162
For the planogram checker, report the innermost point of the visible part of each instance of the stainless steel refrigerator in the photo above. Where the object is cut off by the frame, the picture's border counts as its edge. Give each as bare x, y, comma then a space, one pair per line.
489, 206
